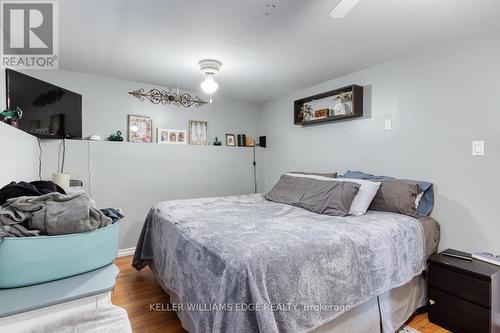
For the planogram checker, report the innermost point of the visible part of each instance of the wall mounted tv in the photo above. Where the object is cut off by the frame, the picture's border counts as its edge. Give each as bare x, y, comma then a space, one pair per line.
49, 111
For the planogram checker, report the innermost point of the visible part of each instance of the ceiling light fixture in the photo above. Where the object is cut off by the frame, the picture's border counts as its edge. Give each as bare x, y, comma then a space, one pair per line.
210, 68
343, 8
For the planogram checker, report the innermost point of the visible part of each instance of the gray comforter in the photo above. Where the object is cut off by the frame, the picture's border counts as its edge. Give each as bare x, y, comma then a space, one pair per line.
297, 268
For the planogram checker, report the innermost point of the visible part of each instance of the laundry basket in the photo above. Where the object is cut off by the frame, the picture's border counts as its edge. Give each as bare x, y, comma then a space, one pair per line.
25, 261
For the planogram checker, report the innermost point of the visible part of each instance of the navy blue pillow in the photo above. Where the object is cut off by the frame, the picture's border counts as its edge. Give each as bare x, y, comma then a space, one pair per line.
363, 175
425, 205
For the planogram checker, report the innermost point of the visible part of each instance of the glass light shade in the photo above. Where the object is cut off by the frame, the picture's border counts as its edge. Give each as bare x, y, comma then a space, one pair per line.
209, 86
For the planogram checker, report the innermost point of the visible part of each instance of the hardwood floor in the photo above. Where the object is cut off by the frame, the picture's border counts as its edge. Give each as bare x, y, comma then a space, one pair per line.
421, 323
135, 291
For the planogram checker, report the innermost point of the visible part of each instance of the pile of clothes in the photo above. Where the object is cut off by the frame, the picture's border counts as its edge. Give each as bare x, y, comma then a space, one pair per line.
43, 208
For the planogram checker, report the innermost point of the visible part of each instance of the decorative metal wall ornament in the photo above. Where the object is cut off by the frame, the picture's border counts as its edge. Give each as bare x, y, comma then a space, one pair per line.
157, 96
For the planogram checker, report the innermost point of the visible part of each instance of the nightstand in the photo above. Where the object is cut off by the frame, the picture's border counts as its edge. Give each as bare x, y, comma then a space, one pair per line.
464, 296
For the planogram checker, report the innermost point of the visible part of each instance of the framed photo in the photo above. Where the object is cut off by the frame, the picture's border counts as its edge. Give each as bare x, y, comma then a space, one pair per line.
140, 129
161, 135
230, 140
323, 113
170, 136
198, 132
181, 137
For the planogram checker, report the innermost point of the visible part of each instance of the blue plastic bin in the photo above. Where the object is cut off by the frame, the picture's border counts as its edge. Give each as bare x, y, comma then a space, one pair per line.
26, 261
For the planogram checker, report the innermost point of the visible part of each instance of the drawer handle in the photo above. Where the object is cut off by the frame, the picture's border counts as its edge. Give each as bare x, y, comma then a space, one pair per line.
432, 302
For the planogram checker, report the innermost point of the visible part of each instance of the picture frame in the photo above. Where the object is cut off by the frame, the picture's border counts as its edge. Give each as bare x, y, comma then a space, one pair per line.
161, 135
140, 129
181, 137
321, 113
170, 136
231, 140
198, 132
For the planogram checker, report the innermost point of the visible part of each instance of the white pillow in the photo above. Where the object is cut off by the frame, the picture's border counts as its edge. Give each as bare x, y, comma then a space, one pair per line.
362, 200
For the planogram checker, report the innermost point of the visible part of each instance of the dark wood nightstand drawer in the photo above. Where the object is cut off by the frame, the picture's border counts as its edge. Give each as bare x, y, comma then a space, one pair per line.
459, 285
457, 315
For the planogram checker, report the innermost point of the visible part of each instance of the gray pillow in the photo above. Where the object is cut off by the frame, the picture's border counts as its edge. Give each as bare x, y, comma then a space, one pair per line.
319, 196
328, 175
426, 203
397, 196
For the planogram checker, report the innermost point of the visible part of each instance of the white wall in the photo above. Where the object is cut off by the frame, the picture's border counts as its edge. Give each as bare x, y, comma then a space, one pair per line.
439, 102
19, 152
134, 176
18, 155
106, 105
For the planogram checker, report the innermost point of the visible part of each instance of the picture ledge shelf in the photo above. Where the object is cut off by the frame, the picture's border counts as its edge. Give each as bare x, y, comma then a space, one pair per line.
156, 144
334, 105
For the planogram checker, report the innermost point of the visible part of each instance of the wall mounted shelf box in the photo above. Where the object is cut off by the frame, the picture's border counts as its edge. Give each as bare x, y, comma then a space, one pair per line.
339, 104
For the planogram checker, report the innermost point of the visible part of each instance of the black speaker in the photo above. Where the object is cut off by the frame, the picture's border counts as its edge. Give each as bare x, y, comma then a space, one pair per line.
262, 141
242, 138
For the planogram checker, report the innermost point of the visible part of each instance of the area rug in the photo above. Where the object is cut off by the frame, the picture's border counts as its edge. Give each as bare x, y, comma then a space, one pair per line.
407, 329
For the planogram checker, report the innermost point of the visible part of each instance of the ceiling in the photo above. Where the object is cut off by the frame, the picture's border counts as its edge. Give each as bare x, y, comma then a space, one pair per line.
297, 45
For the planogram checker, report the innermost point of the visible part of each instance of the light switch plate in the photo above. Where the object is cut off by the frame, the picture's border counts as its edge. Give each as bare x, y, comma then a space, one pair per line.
478, 148
388, 125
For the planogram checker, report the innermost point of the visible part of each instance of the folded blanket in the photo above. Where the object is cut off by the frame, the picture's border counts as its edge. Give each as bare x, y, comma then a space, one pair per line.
50, 214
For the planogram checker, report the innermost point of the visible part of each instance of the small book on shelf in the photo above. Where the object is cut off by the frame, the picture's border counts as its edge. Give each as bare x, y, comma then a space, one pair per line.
487, 257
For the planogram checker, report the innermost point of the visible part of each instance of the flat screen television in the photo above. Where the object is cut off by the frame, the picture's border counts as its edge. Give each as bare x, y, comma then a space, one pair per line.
49, 111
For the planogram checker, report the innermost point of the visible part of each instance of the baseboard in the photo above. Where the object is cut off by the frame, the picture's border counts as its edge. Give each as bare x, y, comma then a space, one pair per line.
126, 252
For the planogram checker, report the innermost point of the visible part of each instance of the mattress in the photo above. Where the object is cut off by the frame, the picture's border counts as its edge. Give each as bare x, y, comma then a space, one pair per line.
226, 252
432, 231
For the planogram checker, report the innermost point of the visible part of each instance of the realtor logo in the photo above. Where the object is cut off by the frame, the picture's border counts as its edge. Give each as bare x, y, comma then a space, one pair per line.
30, 34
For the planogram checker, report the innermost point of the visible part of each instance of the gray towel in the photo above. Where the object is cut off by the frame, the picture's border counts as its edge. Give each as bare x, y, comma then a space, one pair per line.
50, 214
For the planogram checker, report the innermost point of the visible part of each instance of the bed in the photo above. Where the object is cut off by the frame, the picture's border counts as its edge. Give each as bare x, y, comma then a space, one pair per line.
245, 264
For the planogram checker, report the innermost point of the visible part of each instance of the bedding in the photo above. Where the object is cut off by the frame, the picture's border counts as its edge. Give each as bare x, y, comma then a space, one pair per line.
298, 269
396, 307
432, 232
317, 194
322, 174
367, 191
364, 175
361, 202
426, 203
397, 196
425, 200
